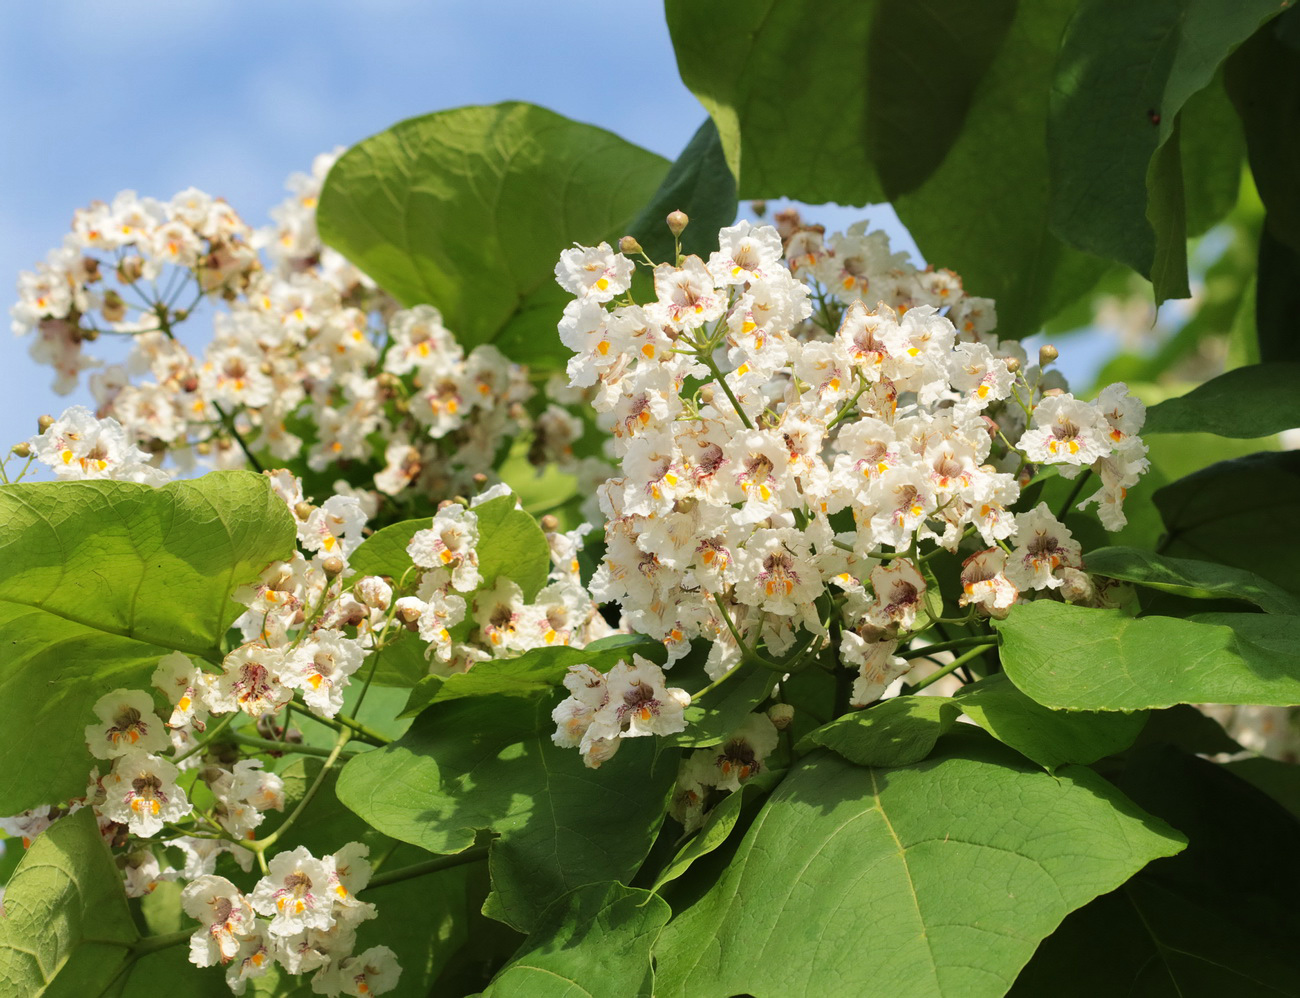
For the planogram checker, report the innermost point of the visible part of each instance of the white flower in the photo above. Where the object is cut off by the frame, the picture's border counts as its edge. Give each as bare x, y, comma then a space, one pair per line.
295, 893
641, 702
127, 723
450, 542
374, 972
251, 682
900, 590
141, 793
745, 253
1043, 546
594, 274
320, 667
1066, 431
984, 584
226, 916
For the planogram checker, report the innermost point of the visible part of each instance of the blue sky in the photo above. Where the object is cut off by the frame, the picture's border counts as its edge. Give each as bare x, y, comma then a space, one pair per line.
97, 96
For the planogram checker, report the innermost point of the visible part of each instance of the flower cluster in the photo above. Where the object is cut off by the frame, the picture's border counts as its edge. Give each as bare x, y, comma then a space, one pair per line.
794, 418
463, 621
307, 356
302, 915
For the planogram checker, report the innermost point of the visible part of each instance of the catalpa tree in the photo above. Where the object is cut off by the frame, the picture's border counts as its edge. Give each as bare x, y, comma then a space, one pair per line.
509, 572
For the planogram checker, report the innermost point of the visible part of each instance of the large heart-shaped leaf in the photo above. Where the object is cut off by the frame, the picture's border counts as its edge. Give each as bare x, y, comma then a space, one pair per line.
1251, 401
99, 580
936, 879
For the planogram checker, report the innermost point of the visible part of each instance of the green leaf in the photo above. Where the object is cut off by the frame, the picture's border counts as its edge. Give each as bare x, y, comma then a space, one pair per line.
921, 867
1124, 74
984, 211
699, 183
717, 826
1248, 402
67, 929
468, 210
98, 581
1238, 513
1187, 728
488, 762
510, 543
1263, 81
1280, 780
895, 732
593, 941
1277, 299
1075, 658
1216, 920
1195, 579
1050, 738
741, 61
535, 671
711, 719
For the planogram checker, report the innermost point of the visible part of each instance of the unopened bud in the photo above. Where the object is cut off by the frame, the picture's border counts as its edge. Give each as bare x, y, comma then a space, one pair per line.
388, 381
408, 612
266, 368
1046, 354
333, 565
629, 246
780, 714
23, 449
445, 503
550, 523
87, 335
480, 479
706, 395
44, 423
114, 307
759, 207
130, 270
204, 447
677, 222
1013, 364
303, 509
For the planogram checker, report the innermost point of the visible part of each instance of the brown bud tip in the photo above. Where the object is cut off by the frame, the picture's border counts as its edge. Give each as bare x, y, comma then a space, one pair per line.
204, 447
629, 246
780, 714
1013, 364
444, 504
332, 565
758, 207
1046, 354
22, 450
303, 509
44, 423
706, 395
677, 222
480, 479
550, 523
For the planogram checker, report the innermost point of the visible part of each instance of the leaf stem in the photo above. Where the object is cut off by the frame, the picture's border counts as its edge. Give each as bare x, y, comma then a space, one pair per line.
951, 667
471, 855
980, 641
260, 846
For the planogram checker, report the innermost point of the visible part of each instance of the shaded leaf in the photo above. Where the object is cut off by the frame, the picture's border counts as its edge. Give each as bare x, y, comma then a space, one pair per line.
593, 941
1050, 738
714, 832
894, 732
1232, 513
1124, 74
488, 763
1196, 579
1247, 402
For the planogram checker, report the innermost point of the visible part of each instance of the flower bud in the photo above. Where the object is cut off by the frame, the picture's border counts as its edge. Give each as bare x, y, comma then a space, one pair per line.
759, 207
549, 523
22, 450
1046, 354
1013, 364
44, 423
114, 307
303, 509
332, 565
130, 270
677, 222
780, 714
480, 479
629, 246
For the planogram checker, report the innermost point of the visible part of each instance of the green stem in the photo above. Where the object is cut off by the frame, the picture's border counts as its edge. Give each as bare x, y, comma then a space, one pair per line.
951, 667
212, 735
979, 640
356, 727
260, 846
228, 421
1074, 494
283, 748
707, 358
430, 866
152, 944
